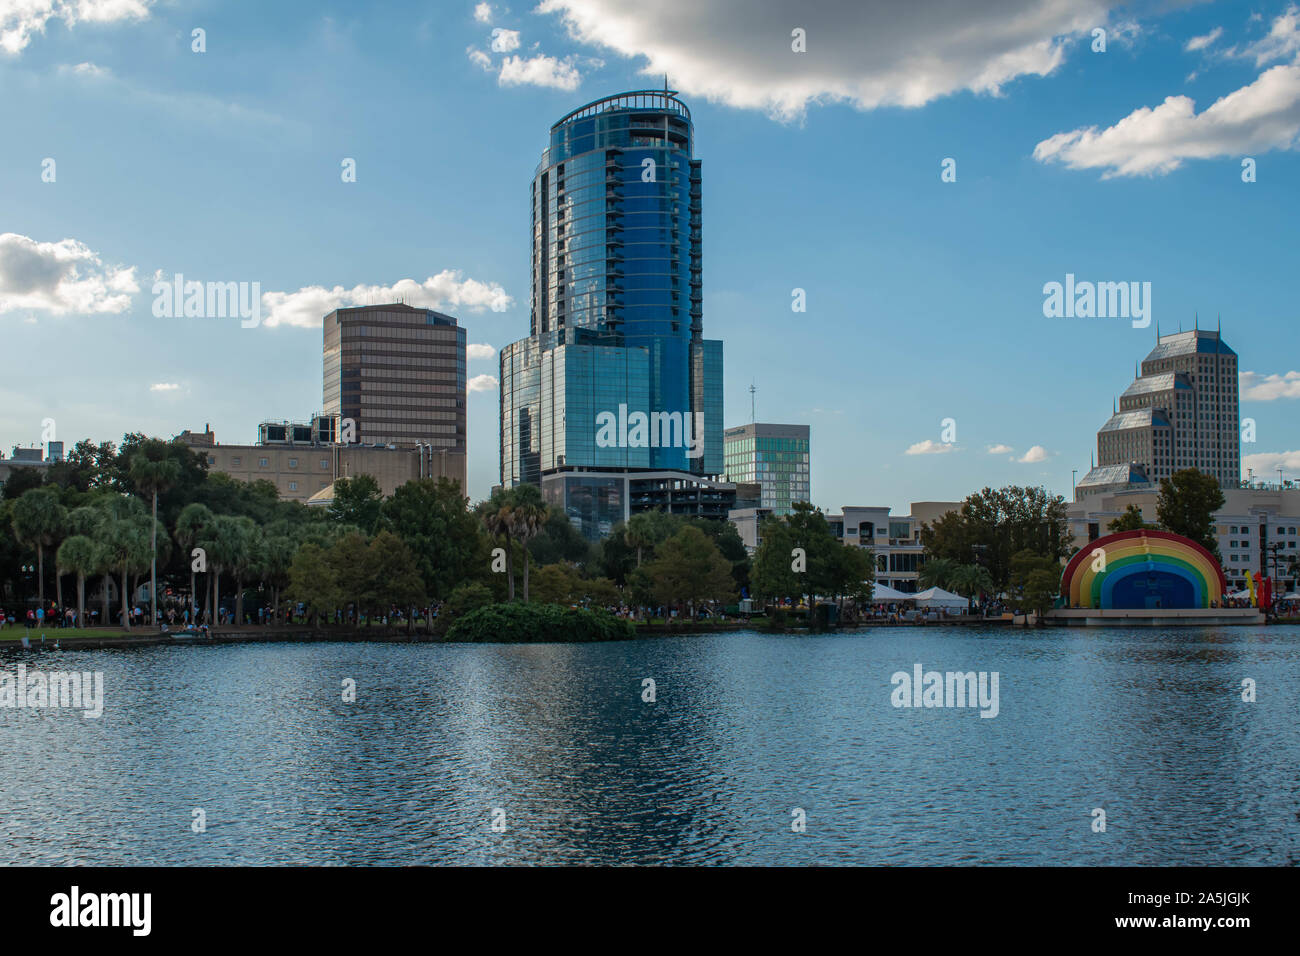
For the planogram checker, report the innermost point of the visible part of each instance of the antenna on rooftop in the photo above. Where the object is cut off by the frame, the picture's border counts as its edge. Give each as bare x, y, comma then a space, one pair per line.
753, 403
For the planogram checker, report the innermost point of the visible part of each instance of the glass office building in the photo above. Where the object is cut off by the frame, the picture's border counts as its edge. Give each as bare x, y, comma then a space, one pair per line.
616, 319
776, 457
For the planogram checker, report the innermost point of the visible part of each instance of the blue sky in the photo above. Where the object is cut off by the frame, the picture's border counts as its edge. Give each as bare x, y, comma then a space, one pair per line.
822, 172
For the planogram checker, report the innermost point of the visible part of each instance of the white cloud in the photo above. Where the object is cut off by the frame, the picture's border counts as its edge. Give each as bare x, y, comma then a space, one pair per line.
1266, 388
504, 41
164, 387
478, 351
21, 19
1000, 449
479, 58
483, 13
1281, 43
1262, 116
884, 53
1201, 42
1266, 463
540, 70
1035, 454
929, 447
307, 307
85, 69
481, 383
60, 277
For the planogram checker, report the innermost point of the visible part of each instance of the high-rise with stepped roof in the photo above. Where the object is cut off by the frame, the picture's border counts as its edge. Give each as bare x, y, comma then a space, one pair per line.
1180, 412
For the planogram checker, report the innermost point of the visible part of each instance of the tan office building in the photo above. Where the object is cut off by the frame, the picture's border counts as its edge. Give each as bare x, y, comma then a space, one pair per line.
398, 374
301, 471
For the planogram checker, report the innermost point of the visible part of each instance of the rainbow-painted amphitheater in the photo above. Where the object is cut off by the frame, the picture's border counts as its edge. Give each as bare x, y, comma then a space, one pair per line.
1143, 570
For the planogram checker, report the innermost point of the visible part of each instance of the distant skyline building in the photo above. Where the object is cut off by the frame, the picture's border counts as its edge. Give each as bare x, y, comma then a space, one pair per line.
1182, 411
398, 373
615, 375
776, 457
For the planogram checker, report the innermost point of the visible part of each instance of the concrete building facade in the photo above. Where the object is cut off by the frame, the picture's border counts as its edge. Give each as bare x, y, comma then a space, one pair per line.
301, 471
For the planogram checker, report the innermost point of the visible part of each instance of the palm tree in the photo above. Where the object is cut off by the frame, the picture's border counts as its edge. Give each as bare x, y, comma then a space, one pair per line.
192, 523
639, 533
80, 556
218, 539
970, 580
937, 573
39, 520
528, 517
126, 544
278, 550
245, 553
498, 517
152, 473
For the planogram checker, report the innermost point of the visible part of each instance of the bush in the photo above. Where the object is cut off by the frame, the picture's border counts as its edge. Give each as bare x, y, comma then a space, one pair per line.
538, 623
463, 600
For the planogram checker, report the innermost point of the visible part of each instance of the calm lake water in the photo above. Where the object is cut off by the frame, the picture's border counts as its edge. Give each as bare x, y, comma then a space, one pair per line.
1149, 726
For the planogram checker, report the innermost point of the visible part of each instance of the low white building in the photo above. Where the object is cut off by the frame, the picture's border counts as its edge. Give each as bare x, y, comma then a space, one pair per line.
894, 539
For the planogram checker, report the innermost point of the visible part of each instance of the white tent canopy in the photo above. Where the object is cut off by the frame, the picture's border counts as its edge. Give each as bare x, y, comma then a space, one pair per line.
938, 597
883, 592
1293, 596
1235, 595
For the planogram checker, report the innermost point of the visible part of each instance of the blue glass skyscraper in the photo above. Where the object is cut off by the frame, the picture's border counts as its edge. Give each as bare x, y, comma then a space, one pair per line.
616, 374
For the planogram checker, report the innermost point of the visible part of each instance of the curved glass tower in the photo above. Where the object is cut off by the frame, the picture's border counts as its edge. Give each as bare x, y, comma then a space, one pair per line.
616, 372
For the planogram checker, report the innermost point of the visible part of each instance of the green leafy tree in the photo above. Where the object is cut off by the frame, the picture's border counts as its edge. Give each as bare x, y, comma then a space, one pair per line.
462, 600
433, 518
1040, 591
1130, 520
1023, 564
1187, 503
560, 541
349, 557
993, 524
805, 528
21, 480
727, 538
688, 569
358, 501
773, 574
392, 576
554, 584
313, 581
